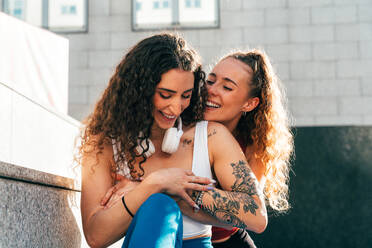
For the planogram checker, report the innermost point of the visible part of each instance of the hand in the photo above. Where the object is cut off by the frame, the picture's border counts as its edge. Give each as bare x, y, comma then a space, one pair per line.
176, 182
116, 192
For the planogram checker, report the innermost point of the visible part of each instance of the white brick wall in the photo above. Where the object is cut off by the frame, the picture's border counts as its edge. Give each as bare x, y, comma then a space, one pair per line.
321, 49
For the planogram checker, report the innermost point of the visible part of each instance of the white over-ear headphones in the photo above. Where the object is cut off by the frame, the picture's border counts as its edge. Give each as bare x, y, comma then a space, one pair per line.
170, 143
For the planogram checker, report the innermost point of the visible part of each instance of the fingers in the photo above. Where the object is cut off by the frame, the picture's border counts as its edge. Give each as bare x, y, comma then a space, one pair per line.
188, 199
108, 195
189, 173
201, 180
199, 187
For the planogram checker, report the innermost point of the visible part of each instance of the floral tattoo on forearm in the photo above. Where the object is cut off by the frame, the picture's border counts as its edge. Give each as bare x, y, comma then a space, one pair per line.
226, 205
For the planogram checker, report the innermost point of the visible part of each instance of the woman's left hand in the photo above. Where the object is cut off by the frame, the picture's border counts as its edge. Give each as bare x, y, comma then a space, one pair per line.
116, 192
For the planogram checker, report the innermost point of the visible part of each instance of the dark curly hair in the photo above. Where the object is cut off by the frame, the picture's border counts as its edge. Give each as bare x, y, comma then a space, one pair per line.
125, 109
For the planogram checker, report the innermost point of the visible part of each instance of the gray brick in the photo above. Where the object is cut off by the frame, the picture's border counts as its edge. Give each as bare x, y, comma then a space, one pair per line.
78, 94
306, 3
366, 49
98, 41
367, 86
231, 5
311, 33
78, 59
100, 59
337, 87
299, 16
79, 76
351, 2
97, 8
342, 14
299, 88
208, 37
365, 13
120, 7
356, 105
346, 50
354, 68
127, 39
324, 51
367, 120
98, 24
290, 52
79, 111
350, 32
247, 18
229, 37
120, 23
334, 51
95, 92
192, 37
366, 31
337, 120
267, 35
310, 106
282, 70
276, 17
312, 70
258, 4
300, 52
78, 42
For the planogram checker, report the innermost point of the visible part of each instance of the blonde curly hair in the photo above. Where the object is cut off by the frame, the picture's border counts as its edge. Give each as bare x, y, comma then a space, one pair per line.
267, 127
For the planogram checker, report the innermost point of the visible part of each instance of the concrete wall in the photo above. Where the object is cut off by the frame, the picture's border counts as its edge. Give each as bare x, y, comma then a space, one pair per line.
322, 51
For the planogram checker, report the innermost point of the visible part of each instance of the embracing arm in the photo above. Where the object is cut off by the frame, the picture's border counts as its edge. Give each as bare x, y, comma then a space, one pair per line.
103, 226
240, 202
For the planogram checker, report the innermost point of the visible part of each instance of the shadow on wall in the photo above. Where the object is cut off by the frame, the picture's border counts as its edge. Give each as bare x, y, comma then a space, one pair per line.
36, 216
330, 191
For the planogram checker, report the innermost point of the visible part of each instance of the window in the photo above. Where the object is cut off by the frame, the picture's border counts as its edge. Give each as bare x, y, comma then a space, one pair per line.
55, 15
163, 14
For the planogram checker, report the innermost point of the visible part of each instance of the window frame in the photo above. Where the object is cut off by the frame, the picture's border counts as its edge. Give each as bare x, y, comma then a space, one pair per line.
175, 15
45, 18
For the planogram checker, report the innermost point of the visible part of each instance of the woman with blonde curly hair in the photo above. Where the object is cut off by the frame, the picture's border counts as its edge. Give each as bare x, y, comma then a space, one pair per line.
246, 96
154, 102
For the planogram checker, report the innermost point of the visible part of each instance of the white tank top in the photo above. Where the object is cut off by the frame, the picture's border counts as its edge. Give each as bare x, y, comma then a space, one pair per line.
200, 167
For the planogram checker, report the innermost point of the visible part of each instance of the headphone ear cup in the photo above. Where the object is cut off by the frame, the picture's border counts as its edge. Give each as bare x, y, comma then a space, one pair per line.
170, 141
141, 146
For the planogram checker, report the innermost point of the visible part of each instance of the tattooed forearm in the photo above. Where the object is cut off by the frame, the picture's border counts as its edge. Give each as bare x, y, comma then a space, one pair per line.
229, 207
244, 180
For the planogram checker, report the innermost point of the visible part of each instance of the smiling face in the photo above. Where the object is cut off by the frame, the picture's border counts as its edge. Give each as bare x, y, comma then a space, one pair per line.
172, 97
228, 90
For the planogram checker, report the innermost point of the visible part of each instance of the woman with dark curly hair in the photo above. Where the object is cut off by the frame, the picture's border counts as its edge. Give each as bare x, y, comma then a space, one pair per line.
245, 95
131, 134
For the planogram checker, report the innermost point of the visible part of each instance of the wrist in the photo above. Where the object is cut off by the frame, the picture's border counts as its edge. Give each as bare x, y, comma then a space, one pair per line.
154, 185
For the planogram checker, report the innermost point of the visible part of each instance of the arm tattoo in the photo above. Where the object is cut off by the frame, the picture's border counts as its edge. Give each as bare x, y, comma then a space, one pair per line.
225, 205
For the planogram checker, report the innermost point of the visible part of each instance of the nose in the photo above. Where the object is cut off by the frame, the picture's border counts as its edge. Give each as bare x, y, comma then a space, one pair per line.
212, 89
176, 106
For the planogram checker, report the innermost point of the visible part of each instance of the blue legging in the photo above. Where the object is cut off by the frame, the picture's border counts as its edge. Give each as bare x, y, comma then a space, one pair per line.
158, 224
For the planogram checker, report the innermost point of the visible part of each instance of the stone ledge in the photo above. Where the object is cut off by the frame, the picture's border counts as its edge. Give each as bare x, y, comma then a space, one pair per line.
19, 173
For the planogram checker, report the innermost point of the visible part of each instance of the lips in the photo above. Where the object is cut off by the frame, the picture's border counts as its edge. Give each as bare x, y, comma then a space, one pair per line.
211, 104
168, 117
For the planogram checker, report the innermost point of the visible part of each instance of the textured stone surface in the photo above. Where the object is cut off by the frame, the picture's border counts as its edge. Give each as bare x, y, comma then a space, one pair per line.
33, 215
14, 172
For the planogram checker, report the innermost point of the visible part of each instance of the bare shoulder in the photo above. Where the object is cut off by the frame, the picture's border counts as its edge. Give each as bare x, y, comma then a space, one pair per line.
217, 131
96, 154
